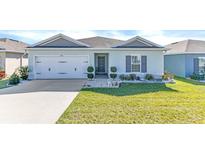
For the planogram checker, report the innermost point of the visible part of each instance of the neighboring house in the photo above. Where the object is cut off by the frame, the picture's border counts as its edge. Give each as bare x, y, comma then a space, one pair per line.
12, 55
186, 57
63, 57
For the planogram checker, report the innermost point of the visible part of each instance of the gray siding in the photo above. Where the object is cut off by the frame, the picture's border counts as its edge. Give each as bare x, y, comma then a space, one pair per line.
60, 43
175, 64
190, 63
136, 43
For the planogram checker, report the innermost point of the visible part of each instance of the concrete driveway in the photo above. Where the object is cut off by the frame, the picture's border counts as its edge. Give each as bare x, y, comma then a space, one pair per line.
38, 101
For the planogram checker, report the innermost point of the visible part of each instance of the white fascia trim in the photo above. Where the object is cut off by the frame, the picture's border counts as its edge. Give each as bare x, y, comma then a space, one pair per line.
140, 39
56, 37
96, 49
12, 51
183, 53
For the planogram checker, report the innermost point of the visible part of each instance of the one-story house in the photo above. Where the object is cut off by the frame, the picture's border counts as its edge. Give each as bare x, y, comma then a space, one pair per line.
12, 55
63, 57
186, 57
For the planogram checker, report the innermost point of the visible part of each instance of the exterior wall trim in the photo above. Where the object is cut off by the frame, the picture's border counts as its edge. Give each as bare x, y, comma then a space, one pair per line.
96, 49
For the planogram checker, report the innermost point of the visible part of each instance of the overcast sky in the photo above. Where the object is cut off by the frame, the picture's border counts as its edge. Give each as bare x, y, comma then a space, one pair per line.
161, 37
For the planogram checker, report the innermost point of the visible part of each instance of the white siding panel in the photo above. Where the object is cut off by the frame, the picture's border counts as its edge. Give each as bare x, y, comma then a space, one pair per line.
155, 62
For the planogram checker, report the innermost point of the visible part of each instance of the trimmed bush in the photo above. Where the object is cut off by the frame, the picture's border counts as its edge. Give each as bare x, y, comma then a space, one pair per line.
23, 72
90, 69
90, 76
167, 76
113, 76
137, 78
113, 69
122, 77
127, 77
149, 77
133, 76
14, 79
195, 76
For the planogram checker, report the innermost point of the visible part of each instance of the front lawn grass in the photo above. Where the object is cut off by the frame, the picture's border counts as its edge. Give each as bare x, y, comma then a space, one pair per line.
3, 83
183, 102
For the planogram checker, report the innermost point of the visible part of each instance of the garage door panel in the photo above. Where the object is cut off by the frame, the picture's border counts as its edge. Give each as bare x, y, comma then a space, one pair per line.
61, 67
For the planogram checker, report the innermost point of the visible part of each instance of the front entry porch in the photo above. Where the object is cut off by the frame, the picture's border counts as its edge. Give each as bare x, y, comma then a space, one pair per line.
101, 65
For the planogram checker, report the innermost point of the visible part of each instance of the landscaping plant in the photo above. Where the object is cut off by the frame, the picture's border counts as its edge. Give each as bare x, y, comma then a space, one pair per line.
2, 73
125, 77
133, 76
122, 77
113, 74
137, 78
14, 79
149, 77
23, 72
90, 71
128, 77
195, 76
167, 76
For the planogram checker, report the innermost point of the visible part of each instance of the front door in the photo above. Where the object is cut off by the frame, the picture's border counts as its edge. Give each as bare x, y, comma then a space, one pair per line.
101, 64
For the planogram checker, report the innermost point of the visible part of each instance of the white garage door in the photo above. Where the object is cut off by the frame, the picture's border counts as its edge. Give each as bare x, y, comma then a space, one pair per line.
56, 67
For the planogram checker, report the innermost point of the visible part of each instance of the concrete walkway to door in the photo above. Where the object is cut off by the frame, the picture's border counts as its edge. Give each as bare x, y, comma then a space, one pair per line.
38, 101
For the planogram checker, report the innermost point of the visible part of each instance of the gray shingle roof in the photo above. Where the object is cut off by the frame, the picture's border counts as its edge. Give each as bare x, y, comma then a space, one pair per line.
186, 46
100, 42
12, 45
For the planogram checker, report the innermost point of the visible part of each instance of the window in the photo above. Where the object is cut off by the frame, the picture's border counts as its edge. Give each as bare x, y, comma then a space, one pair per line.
201, 65
135, 63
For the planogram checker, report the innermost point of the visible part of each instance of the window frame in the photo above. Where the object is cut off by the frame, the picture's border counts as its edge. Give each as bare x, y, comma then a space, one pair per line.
200, 58
139, 63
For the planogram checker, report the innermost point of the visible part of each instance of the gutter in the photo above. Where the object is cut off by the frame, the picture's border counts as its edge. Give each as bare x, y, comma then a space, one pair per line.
97, 49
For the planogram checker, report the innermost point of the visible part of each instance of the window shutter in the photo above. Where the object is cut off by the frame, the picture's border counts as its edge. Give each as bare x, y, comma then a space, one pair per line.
128, 63
196, 65
143, 64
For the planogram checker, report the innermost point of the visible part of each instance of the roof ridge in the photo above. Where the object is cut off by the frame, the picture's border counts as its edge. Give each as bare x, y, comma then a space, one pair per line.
5, 39
100, 37
187, 44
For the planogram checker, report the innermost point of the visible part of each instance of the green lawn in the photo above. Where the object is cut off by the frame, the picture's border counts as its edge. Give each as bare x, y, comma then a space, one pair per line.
3, 83
183, 102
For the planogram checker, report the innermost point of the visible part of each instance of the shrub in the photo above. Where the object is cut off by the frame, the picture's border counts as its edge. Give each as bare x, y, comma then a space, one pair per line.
90, 76
149, 77
113, 69
167, 76
137, 78
195, 76
113, 76
133, 76
90, 69
127, 77
122, 77
23, 72
14, 79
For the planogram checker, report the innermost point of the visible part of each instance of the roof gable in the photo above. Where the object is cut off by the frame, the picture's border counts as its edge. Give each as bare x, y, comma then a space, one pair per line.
59, 41
137, 42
